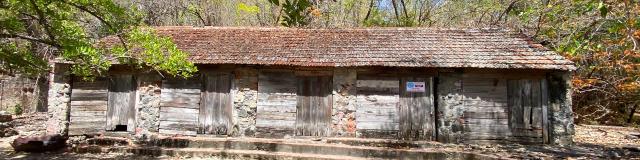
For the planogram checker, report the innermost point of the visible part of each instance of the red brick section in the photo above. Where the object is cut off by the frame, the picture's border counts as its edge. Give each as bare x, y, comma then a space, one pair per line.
400, 47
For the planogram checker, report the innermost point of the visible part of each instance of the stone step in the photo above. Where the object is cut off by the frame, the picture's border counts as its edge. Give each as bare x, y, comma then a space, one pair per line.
387, 143
336, 147
208, 152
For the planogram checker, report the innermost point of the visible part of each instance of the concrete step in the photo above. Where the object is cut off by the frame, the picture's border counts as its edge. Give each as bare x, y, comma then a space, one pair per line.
386, 143
207, 152
336, 147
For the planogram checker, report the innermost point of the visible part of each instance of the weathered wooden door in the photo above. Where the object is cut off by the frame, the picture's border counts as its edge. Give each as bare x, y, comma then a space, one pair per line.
527, 101
216, 105
121, 103
314, 104
416, 108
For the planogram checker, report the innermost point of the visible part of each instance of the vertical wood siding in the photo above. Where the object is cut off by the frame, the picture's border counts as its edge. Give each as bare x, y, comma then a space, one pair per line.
277, 102
526, 106
377, 106
314, 104
486, 111
416, 110
121, 105
216, 107
88, 106
179, 106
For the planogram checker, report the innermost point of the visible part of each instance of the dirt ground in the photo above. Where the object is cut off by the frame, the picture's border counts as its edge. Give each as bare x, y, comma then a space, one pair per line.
591, 142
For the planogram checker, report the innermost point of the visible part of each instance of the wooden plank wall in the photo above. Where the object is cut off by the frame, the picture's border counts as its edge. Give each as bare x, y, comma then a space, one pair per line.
502, 108
121, 102
216, 107
526, 118
416, 109
314, 106
179, 106
277, 102
88, 106
377, 106
485, 101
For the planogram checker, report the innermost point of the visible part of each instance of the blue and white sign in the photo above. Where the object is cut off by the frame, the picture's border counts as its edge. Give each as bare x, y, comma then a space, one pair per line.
415, 87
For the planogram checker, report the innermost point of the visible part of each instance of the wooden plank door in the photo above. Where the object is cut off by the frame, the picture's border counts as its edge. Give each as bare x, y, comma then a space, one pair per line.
416, 108
525, 102
314, 104
121, 103
216, 106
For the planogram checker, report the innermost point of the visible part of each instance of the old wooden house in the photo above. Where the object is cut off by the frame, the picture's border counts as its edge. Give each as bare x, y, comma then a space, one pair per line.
447, 85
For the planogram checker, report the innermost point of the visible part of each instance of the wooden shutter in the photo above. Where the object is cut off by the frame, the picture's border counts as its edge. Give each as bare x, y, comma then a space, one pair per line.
216, 107
121, 103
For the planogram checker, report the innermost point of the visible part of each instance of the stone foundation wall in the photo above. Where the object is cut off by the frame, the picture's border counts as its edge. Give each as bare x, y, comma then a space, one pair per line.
148, 103
343, 118
561, 126
450, 107
245, 99
59, 100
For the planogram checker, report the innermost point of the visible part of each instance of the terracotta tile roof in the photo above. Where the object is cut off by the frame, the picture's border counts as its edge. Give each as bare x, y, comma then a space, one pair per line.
401, 47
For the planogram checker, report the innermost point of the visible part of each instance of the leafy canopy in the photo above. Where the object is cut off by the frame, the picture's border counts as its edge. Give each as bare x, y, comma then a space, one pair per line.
33, 32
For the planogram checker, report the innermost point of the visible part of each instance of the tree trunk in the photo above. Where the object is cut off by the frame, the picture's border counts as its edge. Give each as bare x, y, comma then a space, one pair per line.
395, 9
369, 11
42, 84
632, 112
404, 8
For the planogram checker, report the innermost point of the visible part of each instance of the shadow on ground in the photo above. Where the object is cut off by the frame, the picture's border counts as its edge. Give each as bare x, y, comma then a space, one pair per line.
62, 155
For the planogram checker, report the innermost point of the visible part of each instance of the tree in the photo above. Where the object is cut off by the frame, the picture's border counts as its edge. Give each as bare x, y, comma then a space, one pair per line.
33, 32
602, 38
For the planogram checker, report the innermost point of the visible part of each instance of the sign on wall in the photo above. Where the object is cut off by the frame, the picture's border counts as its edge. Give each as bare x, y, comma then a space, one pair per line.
415, 87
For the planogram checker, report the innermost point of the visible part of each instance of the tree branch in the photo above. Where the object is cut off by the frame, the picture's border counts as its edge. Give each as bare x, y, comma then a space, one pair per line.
506, 11
42, 20
369, 11
29, 38
94, 14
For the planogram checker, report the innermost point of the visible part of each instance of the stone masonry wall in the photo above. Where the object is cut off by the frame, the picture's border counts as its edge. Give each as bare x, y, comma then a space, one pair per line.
344, 103
450, 107
245, 99
148, 103
561, 124
59, 100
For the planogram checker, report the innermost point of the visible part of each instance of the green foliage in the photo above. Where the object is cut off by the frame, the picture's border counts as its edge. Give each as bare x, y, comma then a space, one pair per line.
157, 52
295, 12
36, 31
16, 109
242, 7
602, 38
377, 18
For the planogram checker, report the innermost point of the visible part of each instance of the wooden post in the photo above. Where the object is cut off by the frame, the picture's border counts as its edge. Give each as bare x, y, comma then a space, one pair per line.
545, 104
2, 95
